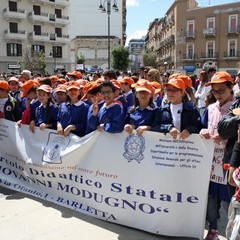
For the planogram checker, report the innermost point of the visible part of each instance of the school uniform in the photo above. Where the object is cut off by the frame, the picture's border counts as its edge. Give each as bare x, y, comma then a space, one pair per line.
111, 117
141, 117
41, 115
90, 112
74, 114
130, 98
123, 100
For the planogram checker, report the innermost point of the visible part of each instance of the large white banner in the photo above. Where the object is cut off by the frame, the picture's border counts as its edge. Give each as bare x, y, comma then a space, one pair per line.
152, 183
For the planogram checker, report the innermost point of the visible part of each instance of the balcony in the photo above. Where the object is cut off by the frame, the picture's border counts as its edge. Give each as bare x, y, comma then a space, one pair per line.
43, 17
58, 3
63, 39
19, 35
64, 20
209, 32
232, 31
18, 14
232, 55
43, 37
209, 56
190, 34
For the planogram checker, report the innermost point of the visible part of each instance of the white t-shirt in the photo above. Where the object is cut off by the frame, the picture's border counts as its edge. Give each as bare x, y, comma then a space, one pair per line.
2, 103
176, 110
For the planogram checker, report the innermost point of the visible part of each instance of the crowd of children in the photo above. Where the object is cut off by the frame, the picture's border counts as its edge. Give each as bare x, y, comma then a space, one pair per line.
171, 104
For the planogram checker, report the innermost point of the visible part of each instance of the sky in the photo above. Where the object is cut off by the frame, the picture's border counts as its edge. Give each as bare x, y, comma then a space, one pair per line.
140, 13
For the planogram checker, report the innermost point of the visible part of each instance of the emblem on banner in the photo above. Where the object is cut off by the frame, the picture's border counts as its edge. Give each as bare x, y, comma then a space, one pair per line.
134, 147
56, 144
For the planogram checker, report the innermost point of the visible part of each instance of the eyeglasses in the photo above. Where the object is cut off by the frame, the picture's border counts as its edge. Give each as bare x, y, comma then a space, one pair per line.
106, 92
220, 91
171, 90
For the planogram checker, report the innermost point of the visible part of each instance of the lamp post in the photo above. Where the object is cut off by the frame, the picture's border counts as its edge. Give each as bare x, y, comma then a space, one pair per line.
105, 7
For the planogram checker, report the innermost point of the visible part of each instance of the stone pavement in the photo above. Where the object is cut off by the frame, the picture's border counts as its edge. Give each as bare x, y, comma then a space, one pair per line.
24, 217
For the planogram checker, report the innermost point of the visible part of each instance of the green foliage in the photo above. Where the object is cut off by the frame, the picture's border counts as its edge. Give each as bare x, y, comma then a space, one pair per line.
33, 61
81, 59
149, 58
120, 56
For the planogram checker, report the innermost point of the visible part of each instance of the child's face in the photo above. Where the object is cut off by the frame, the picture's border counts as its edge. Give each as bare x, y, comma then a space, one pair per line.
43, 96
73, 93
174, 95
13, 85
32, 95
61, 97
108, 95
143, 97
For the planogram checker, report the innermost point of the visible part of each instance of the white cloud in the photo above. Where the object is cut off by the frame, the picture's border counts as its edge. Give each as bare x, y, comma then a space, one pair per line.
136, 35
132, 3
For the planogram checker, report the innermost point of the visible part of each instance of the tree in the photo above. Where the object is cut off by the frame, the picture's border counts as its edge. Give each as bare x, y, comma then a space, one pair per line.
33, 61
149, 58
120, 58
81, 59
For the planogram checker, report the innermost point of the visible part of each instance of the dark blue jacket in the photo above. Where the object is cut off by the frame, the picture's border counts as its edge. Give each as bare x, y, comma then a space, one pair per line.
12, 110
190, 119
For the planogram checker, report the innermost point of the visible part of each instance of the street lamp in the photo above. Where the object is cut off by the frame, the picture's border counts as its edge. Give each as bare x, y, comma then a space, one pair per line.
105, 7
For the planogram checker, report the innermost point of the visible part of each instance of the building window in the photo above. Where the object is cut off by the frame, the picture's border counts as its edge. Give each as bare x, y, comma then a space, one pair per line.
232, 24
58, 13
37, 30
232, 46
58, 32
57, 51
12, 6
14, 49
36, 10
38, 48
190, 28
211, 23
13, 27
210, 49
190, 51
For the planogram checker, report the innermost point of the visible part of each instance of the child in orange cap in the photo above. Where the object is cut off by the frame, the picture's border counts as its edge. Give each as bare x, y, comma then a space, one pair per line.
46, 113
14, 88
109, 117
126, 83
29, 101
72, 115
60, 94
176, 117
143, 112
9, 107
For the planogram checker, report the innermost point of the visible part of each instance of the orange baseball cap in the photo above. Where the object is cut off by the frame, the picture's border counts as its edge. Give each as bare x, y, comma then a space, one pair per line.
46, 88
116, 83
220, 77
176, 82
82, 82
88, 87
73, 84
157, 87
187, 80
61, 88
174, 75
27, 86
4, 85
128, 80
53, 78
61, 80
75, 73
144, 86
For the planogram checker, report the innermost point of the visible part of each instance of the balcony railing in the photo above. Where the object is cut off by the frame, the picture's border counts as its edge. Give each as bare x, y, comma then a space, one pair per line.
190, 34
189, 56
232, 55
18, 14
19, 35
63, 20
209, 55
209, 32
62, 39
43, 17
232, 30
